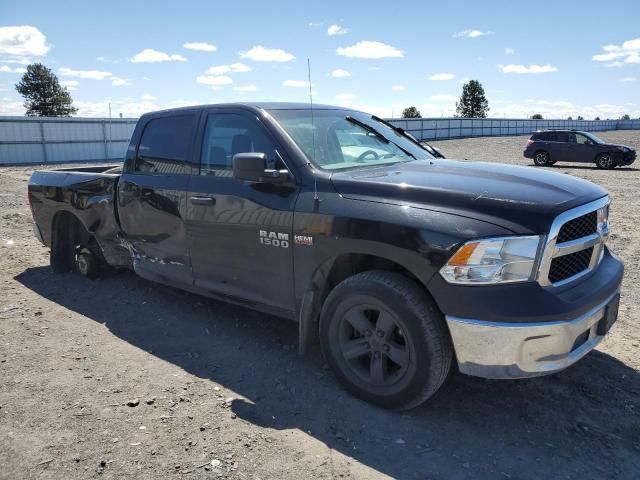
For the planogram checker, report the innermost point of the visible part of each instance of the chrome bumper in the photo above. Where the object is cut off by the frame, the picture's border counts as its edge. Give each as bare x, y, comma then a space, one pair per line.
520, 350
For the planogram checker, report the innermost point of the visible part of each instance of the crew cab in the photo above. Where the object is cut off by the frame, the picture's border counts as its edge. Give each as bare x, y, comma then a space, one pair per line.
400, 264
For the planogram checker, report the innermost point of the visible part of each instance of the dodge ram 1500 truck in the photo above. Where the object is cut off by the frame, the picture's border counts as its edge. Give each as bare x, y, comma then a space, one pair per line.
397, 262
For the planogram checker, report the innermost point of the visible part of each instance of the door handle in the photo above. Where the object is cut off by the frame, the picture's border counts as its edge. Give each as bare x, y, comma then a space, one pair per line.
203, 200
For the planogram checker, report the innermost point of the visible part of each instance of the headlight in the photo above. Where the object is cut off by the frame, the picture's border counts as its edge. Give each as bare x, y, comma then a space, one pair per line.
493, 260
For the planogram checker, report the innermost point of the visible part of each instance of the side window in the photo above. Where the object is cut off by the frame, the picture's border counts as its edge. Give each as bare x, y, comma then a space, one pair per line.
562, 137
547, 137
164, 145
582, 140
227, 134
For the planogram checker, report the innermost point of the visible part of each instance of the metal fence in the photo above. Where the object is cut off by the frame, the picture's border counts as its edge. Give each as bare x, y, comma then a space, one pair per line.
446, 128
29, 140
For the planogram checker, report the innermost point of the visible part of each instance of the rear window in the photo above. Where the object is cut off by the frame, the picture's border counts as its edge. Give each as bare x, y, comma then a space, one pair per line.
164, 145
545, 136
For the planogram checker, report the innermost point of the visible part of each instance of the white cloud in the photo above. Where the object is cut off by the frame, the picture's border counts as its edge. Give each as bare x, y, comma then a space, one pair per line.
523, 69
340, 73
120, 82
87, 74
262, 54
233, 68
245, 88
23, 40
213, 80
443, 97
371, 50
471, 34
509, 51
373, 69
101, 59
15, 60
8, 107
8, 69
149, 55
337, 30
148, 96
559, 109
628, 52
200, 46
315, 24
70, 84
442, 76
629, 79
397, 88
295, 83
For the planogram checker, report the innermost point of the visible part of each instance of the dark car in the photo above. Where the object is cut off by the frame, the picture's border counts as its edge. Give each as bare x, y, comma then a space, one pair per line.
547, 147
400, 264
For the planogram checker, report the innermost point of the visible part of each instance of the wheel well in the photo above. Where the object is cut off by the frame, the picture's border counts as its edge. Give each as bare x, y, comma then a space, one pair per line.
331, 274
347, 265
66, 224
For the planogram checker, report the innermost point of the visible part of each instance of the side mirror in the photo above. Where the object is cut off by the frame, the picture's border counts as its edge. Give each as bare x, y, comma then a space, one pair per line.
252, 167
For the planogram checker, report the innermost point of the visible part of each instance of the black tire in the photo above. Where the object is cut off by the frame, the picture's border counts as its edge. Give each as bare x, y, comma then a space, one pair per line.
62, 256
605, 161
542, 159
87, 264
414, 334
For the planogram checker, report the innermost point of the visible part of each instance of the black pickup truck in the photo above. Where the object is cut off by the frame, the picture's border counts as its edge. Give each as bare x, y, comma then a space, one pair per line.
399, 263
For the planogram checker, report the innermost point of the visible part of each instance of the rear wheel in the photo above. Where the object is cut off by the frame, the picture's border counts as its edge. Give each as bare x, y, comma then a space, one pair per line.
542, 159
63, 250
605, 161
385, 339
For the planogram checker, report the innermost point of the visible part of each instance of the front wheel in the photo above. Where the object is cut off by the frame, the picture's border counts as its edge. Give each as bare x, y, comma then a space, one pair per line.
605, 161
385, 339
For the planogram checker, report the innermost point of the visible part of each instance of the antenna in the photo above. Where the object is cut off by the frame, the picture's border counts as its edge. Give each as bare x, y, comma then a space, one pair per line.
313, 135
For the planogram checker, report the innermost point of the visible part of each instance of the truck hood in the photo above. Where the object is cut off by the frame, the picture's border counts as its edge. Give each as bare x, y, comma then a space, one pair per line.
522, 199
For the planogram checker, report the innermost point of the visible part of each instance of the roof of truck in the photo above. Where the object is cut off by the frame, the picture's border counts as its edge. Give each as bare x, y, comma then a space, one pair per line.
256, 105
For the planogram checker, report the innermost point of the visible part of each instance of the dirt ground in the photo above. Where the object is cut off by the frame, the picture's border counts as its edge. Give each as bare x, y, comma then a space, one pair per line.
122, 378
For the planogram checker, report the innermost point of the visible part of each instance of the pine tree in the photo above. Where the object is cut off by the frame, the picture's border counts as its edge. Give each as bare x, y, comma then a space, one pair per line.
536, 116
473, 103
411, 112
43, 94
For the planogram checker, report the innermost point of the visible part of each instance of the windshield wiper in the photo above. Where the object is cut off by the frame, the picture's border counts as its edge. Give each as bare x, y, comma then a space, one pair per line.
372, 130
368, 128
402, 132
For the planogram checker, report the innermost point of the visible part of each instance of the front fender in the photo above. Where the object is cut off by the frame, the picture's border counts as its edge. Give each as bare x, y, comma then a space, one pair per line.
418, 240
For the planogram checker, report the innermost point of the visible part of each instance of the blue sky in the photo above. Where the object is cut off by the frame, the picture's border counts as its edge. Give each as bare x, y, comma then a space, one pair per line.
557, 58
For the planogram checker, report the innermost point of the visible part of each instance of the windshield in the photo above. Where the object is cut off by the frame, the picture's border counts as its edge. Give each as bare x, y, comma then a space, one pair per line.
342, 139
592, 137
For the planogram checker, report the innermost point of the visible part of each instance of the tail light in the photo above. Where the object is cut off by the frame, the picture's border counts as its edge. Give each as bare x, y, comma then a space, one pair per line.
529, 142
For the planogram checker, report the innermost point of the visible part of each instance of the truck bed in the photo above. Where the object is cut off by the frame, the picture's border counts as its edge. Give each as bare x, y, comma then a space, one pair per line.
86, 192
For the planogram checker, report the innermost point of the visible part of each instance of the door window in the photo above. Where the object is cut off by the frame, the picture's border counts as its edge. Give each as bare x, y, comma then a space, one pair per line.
227, 134
164, 145
582, 140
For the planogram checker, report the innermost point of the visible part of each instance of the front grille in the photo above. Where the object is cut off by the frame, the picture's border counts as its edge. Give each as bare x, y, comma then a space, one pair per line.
575, 243
569, 265
579, 227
